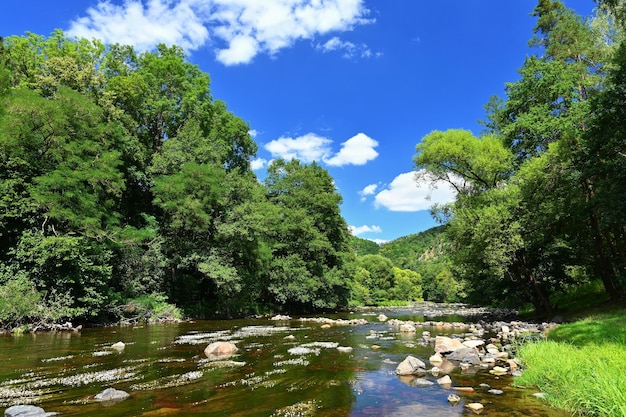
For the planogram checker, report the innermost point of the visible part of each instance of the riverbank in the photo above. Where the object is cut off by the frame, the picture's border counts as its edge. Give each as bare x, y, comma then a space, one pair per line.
580, 367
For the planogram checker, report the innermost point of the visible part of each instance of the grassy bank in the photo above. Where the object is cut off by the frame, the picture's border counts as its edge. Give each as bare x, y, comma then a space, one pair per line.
581, 365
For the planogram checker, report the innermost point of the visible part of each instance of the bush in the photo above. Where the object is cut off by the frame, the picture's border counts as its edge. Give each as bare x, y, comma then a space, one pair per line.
148, 308
21, 303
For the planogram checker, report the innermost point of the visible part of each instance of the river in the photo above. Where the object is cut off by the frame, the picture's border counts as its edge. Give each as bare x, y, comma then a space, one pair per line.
164, 369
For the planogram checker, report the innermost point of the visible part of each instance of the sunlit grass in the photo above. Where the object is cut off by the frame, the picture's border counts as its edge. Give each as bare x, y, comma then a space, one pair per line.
581, 366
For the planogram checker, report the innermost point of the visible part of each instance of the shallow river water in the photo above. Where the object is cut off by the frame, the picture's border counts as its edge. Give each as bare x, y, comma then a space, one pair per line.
165, 371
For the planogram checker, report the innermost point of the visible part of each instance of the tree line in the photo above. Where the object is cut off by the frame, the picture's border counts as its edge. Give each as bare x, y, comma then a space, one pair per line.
126, 193
542, 192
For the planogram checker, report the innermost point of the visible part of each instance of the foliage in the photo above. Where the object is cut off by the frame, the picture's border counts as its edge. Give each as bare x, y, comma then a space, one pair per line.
125, 188
308, 237
531, 219
151, 307
362, 247
428, 254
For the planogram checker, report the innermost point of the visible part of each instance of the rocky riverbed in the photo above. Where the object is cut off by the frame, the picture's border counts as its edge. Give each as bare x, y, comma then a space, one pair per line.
395, 359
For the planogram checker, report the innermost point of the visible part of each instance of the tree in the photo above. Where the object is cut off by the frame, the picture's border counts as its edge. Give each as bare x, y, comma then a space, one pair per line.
307, 236
381, 275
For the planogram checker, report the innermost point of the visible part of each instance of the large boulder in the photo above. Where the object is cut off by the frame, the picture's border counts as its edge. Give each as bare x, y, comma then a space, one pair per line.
220, 349
465, 355
26, 411
444, 344
411, 366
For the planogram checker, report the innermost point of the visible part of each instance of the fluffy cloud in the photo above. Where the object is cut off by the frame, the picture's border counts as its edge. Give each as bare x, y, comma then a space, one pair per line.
358, 150
405, 194
239, 30
358, 230
258, 164
306, 148
368, 190
143, 26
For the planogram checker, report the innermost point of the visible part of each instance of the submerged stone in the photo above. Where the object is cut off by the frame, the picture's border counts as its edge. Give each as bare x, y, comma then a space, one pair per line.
220, 349
26, 411
111, 395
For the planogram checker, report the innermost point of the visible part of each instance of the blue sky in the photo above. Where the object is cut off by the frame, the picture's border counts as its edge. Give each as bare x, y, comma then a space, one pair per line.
351, 84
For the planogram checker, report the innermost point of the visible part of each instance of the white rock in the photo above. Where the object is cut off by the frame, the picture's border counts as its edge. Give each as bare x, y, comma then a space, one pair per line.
445, 344
410, 366
475, 407
445, 380
498, 371
382, 317
344, 349
118, 346
454, 399
436, 358
218, 349
111, 394
473, 343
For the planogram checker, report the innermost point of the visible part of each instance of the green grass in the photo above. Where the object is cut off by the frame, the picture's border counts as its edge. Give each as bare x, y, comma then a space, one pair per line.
581, 365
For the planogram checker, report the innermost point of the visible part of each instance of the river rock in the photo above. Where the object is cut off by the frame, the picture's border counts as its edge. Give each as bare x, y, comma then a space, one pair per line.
444, 344
407, 328
119, 346
26, 411
111, 394
218, 349
454, 399
435, 359
445, 380
410, 366
465, 355
495, 391
473, 343
344, 349
499, 371
382, 317
280, 317
421, 382
475, 407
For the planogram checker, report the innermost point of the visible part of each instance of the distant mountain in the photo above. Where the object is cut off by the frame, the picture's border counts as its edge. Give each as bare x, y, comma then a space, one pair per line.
408, 251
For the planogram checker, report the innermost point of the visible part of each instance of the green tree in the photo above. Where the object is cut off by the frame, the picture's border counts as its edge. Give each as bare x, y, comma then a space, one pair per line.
308, 237
381, 275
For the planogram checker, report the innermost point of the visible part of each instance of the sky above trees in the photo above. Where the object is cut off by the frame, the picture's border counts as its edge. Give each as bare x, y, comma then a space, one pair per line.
351, 84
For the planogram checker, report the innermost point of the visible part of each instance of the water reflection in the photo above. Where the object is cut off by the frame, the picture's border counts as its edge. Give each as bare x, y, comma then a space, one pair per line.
286, 368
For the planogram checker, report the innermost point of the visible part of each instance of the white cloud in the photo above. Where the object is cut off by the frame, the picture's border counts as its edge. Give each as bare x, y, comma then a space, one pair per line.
258, 164
143, 26
405, 194
368, 190
349, 49
306, 148
239, 30
253, 133
358, 150
358, 230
